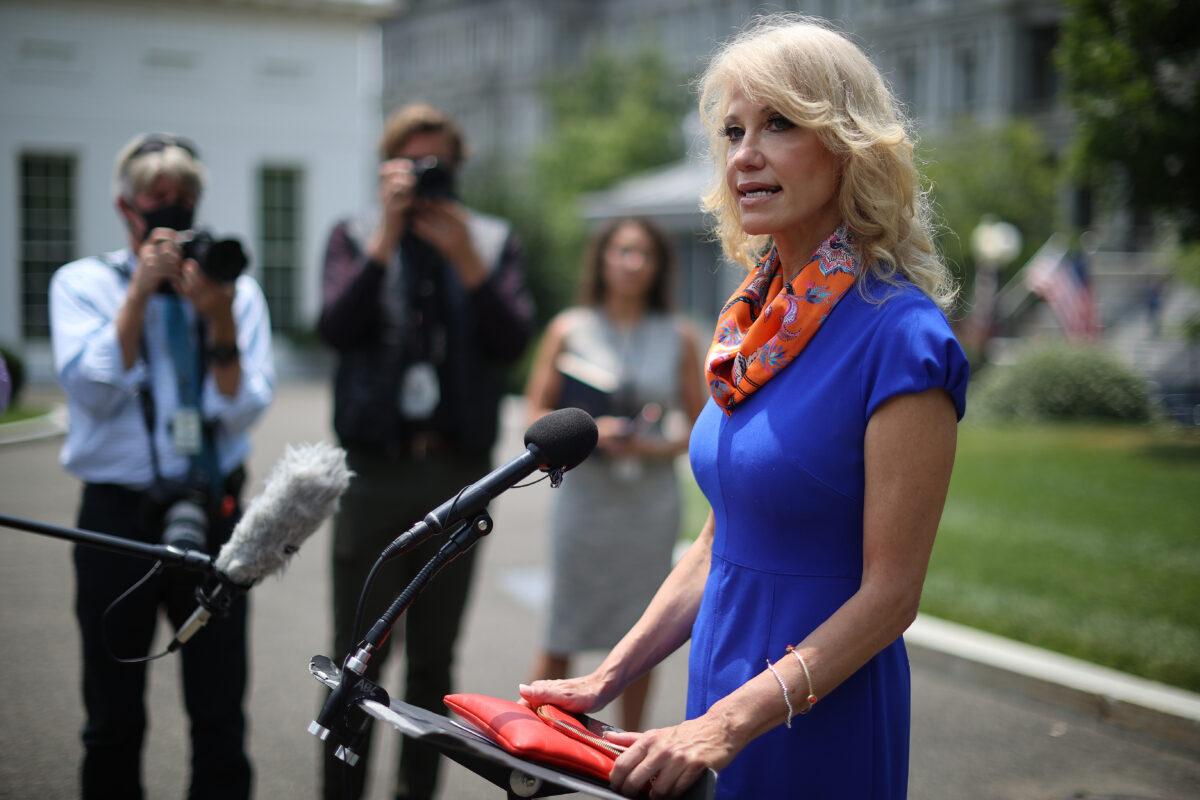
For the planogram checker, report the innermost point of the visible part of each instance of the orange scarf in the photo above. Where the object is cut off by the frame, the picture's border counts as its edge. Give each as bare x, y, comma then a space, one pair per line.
767, 322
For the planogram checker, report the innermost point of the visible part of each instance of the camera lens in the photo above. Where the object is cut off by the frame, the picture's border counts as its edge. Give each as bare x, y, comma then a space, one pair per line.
185, 526
434, 182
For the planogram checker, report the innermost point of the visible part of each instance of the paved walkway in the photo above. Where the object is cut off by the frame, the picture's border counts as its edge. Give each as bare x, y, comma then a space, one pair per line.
971, 737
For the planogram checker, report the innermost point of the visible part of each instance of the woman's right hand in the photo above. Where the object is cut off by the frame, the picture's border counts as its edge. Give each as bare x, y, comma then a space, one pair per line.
581, 695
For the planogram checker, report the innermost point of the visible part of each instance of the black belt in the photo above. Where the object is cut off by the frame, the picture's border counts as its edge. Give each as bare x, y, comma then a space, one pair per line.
231, 486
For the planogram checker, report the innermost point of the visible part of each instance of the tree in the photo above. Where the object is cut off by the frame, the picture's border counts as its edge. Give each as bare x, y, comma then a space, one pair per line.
614, 117
1007, 171
1132, 68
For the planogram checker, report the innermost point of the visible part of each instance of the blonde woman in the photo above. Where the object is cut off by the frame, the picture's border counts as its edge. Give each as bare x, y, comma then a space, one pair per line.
825, 450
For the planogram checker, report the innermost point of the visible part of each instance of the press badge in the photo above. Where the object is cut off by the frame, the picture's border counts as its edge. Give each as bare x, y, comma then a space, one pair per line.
419, 391
186, 431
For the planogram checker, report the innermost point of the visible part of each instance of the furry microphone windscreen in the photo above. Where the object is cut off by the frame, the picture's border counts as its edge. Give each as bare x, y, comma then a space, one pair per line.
301, 492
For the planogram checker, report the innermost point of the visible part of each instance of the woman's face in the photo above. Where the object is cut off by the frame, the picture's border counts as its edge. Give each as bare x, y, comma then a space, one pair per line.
629, 265
784, 179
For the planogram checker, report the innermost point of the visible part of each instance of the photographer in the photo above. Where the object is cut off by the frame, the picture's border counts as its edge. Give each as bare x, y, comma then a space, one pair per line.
164, 354
425, 302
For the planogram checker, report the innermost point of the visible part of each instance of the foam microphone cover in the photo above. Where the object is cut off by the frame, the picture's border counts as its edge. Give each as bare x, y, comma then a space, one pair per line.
563, 438
301, 492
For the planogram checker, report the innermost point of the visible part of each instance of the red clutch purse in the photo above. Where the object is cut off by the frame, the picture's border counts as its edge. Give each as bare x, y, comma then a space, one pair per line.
549, 735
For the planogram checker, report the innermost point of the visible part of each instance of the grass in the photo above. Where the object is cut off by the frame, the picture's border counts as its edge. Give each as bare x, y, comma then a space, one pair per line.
1080, 539
18, 413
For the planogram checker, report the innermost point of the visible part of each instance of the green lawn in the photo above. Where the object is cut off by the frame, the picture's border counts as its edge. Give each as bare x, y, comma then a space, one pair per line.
1079, 539
18, 413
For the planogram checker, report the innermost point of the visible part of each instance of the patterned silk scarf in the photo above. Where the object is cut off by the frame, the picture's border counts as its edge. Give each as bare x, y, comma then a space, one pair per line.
767, 322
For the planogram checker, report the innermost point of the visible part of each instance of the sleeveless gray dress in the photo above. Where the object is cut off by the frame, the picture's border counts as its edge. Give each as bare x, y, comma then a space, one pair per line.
614, 521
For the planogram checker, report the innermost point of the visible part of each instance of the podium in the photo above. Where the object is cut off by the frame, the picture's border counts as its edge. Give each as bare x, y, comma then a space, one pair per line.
517, 777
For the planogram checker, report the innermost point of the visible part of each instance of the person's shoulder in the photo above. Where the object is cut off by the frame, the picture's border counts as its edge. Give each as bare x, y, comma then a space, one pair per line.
246, 283
491, 235
247, 287
562, 325
482, 218
355, 228
895, 298
93, 270
571, 319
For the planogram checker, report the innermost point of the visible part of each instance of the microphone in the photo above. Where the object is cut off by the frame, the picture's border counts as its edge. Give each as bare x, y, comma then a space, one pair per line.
555, 443
301, 492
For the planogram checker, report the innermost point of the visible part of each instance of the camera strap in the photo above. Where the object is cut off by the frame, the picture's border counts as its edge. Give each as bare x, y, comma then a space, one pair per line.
190, 387
202, 465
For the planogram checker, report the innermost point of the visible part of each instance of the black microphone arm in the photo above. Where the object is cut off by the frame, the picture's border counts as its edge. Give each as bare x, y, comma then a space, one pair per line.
557, 442
213, 601
466, 504
193, 560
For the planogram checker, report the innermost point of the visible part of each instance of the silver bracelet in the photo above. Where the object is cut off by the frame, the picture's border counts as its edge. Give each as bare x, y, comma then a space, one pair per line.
812, 697
786, 700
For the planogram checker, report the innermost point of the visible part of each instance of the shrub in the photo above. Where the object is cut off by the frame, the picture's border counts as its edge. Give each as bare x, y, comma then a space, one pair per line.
16, 373
1062, 382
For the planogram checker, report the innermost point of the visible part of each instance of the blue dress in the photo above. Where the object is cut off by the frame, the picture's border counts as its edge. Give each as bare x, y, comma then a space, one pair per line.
784, 477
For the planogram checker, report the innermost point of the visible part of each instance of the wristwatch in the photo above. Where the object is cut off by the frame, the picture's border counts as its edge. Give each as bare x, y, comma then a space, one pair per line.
223, 354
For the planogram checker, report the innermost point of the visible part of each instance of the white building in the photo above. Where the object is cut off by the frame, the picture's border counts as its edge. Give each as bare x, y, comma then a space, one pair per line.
280, 96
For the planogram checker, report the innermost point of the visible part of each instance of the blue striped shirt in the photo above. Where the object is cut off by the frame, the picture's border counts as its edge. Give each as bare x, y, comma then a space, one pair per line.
107, 440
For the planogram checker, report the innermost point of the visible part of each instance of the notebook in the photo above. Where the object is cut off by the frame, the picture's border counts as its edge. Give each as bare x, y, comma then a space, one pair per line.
586, 386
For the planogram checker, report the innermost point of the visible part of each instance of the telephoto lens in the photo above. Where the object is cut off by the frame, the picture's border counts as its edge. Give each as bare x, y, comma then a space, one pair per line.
185, 526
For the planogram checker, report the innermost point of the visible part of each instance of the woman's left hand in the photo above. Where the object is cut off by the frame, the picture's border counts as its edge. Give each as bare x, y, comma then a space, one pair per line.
669, 760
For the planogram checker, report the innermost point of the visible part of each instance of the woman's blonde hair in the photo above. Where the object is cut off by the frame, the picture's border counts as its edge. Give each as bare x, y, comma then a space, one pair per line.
819, 79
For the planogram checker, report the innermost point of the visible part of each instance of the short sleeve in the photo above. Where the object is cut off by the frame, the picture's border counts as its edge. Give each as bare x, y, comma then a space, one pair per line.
914, 350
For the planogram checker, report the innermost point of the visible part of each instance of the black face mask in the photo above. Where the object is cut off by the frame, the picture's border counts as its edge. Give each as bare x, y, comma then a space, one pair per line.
175, 217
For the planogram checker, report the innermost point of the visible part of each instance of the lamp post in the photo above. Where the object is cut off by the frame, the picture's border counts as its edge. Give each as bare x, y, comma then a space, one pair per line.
994, 244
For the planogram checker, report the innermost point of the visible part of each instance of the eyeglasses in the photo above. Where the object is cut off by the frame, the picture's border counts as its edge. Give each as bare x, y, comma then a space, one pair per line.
157, 142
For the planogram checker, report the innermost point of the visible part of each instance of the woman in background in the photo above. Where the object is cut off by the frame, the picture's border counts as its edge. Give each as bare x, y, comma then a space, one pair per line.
624, 357
825, 451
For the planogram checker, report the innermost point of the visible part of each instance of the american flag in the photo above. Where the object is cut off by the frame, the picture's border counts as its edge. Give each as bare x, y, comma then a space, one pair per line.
1061, 279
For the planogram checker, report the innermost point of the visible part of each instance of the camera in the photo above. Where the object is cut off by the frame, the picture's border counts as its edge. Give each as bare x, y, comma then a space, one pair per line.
434, 182
181, 509
222, 260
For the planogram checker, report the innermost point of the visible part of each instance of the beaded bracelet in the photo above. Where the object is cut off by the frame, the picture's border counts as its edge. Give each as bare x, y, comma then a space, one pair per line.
786, 700
812, 698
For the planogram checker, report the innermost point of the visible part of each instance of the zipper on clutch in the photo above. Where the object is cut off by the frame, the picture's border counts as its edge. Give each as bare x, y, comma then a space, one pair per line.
595, 741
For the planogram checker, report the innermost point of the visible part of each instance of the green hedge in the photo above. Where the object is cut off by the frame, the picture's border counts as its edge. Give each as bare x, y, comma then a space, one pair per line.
1061, 382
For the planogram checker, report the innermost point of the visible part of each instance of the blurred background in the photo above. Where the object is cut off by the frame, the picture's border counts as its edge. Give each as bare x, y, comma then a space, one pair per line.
1057, 137
1054, 117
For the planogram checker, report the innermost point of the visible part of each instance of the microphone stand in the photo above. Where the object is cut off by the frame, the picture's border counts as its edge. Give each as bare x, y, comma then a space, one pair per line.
215, 600
193, 560
342, 723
